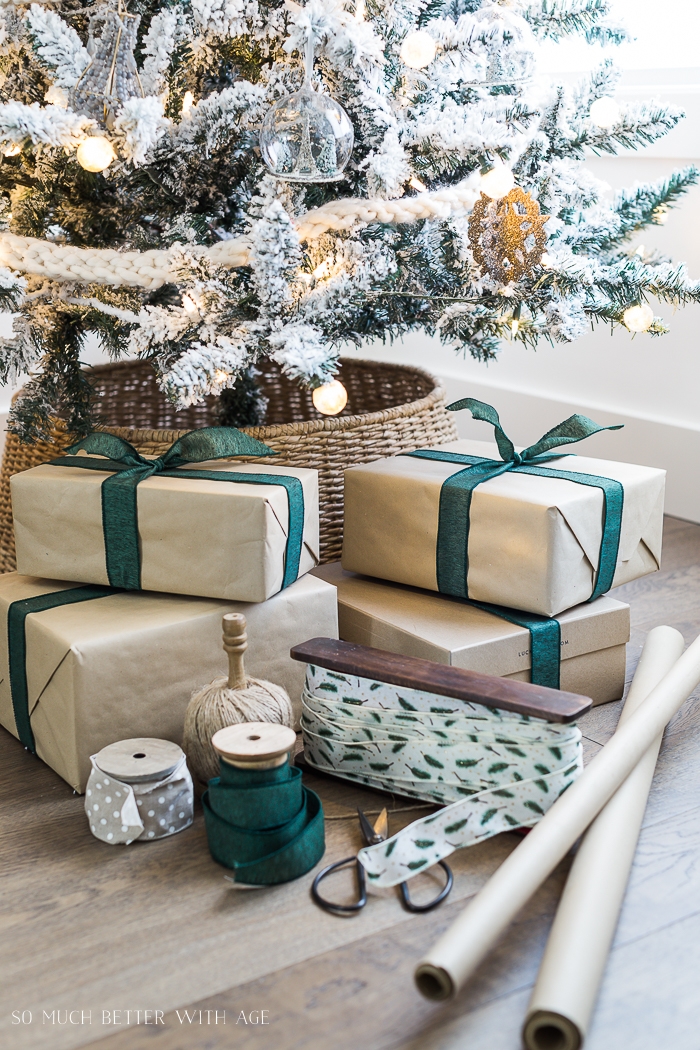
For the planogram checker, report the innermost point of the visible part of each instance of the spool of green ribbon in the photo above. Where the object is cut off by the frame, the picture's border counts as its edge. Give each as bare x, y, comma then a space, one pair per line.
262, 822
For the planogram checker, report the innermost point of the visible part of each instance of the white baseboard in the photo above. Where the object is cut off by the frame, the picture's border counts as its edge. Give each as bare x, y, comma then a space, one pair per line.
525, 417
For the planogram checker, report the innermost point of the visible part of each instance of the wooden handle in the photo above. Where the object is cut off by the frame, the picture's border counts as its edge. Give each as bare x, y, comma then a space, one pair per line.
537, 701
235, 644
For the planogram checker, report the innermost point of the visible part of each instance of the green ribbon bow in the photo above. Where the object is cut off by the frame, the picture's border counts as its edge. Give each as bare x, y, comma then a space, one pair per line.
263, 823
119, 499
17, 647
452, 554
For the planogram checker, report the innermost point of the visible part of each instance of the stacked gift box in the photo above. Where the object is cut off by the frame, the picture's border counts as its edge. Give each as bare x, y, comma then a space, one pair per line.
498, 561
125, 566
470, 554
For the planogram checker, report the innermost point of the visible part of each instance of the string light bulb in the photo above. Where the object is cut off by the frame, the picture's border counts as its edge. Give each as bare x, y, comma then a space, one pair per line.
330, 399
497, 182
187, 103
12, 151
417, 184
95, 153
638, 318
190, 305
605, 112
418, 49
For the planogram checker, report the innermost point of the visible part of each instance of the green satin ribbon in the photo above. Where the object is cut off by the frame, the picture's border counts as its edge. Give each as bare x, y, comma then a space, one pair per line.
119, 496
263, 823
452, 554
545, 641
17, 647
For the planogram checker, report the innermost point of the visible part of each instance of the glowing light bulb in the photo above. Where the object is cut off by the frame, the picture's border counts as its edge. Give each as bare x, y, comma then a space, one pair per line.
359, 10
331, 398
189, 304
220, 376
638, 318
497, 182
12, 151
187, 102
417, 184
605, 112
95, 153
418, 49
514, 326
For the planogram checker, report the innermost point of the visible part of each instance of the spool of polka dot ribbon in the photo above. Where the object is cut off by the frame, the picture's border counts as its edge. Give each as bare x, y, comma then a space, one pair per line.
139, 790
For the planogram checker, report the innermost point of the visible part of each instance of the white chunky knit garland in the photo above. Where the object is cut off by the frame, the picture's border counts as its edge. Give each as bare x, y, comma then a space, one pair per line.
151, 269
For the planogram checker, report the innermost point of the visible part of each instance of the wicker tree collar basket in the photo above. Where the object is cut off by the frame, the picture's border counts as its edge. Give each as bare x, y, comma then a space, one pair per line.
391, 409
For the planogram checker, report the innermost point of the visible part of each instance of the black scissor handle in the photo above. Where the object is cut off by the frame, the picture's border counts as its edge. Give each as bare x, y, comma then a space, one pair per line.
410, 906
361, 886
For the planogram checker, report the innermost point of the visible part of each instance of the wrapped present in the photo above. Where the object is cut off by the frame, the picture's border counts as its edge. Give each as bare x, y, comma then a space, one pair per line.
530, 530
181, 524
83, 666
590, 638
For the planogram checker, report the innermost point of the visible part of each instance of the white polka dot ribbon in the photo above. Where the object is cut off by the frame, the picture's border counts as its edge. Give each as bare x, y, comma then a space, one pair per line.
152, 809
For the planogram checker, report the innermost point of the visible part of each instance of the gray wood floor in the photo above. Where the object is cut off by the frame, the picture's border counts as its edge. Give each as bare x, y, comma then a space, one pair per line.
92, 928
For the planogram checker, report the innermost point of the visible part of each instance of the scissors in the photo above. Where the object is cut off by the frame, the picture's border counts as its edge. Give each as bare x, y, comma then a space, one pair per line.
373, 834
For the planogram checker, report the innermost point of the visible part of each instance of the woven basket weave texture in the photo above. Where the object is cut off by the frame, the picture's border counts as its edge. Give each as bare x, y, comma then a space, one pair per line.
391, 409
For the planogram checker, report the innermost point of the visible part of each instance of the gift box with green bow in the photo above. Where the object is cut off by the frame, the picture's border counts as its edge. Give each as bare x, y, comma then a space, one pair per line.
538, 530
83, 666
192, 521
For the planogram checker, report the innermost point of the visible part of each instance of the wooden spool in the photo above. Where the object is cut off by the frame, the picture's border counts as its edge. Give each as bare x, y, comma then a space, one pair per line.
254, 745
140, 759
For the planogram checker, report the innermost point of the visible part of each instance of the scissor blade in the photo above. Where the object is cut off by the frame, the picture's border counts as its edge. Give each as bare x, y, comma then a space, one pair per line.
367, 830
381, 825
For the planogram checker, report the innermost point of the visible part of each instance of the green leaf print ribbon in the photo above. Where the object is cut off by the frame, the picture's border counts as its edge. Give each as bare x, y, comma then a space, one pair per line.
492, 770
452, 554
129, 468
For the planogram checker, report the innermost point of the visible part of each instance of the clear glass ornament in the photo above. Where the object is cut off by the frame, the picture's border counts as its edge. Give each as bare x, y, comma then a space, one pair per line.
307, 136
111, 77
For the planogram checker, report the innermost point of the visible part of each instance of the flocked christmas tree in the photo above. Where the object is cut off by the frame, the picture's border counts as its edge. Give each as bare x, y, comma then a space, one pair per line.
137, 129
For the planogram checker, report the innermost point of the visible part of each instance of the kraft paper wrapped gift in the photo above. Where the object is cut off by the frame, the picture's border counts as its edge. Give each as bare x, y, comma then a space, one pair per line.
449, 631
126, 664
534, 542
196, 536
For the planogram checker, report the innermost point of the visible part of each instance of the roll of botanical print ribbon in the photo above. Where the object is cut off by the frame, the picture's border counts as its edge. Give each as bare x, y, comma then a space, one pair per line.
139, 790
493, 770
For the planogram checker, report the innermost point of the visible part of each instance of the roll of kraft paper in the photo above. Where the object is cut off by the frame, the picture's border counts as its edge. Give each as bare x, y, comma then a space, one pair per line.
460, 950
579, 943
261, 821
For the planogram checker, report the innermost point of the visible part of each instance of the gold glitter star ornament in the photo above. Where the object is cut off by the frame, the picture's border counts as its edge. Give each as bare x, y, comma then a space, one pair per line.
507, 236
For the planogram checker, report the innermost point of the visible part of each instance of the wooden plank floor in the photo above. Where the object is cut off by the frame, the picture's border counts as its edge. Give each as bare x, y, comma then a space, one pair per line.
92, 928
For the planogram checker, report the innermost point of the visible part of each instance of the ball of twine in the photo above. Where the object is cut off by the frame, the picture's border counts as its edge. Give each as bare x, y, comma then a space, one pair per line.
216, 706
